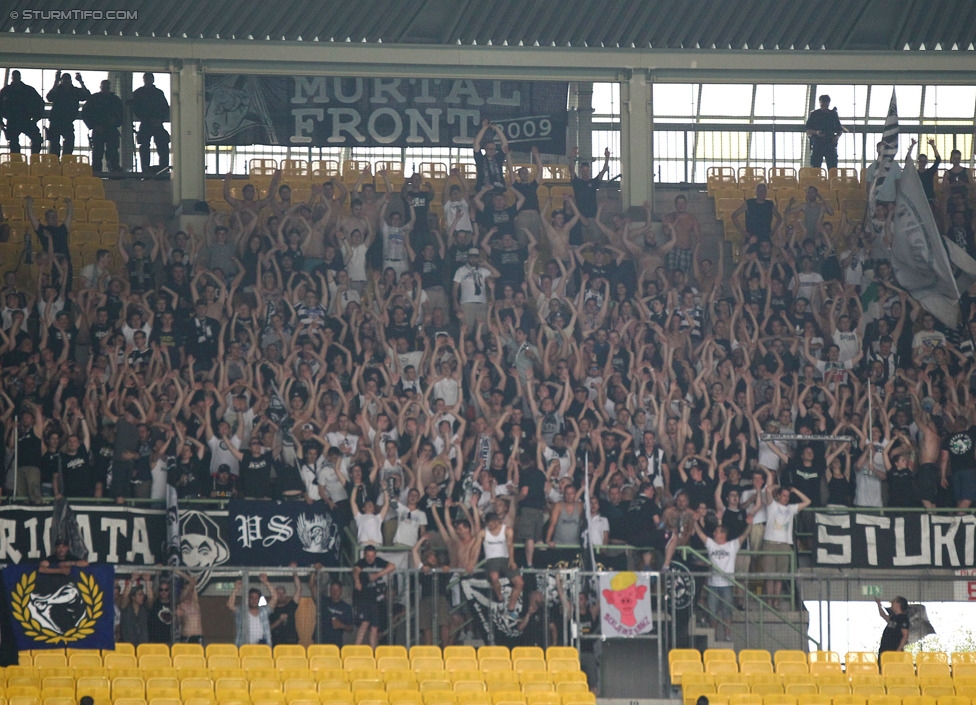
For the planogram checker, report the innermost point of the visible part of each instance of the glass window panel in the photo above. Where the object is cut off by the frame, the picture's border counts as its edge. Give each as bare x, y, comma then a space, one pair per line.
781, 101
606, 98
850, 101
726, 99
950, 101
761, 148
676, 99
909, 101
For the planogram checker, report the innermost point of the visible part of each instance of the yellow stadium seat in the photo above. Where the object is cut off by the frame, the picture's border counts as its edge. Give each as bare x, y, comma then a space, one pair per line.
756, 667
220, 650
776, 699
530, 652
392, 663
502, 652
682, 671
356, 650
152, 649
327, 663
353, 663
938, 690
162, 688
50, 660
862, 668
129, 701
386, 651
957, 657
428, 685
953, 699
798, 689
221, 661
732, 688
561, 652
896, 657
469, 685
750, 655
459, 651
538, 686
251, 663
460, 663
494, 664
884, 700
288, 650
918, 700
895, 668
720, 667
834, 689
824, 656
825, 668
789, 656
528, 664
933, 668
181, 661
792, 668
128, 688
850, 700
767, 688
291, 663
901, 686
322, 650
745, 699
49, 682
153, 662
255, 650
86, 660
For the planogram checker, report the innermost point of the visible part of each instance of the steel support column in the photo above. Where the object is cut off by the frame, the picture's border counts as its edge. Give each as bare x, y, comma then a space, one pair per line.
636, 164
189, 177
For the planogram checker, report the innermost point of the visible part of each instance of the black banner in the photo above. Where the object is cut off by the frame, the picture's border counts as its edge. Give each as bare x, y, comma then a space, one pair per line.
265, 533
112, 534
324, 111
895, 540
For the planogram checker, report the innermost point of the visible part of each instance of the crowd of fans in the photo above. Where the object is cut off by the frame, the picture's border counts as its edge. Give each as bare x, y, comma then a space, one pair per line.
458, 381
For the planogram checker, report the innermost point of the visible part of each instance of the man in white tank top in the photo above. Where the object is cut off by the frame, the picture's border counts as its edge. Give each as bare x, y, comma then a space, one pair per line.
498, 542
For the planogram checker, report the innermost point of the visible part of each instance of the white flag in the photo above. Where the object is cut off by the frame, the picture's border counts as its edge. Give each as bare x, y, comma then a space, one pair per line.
889, 145
918, 256
625, 604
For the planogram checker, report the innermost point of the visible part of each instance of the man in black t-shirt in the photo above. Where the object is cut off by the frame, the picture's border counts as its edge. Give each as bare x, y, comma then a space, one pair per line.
585, 189
255, 469
283, 627
895, 634
823, 129
369, 594
78, 472
532, 504
490, 161
958, 461
335, 616
496, 215
54, 237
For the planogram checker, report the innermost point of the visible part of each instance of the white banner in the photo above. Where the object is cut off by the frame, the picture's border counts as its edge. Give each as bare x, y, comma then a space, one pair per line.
919, 259
625, 604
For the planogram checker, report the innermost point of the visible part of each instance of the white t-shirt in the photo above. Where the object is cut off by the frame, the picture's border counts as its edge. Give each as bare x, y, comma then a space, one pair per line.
410, 524
355, 256
722, 557
369, 529
473, 284
849, 344
220, 455
460, 212
598, 527
346, 442
779, 522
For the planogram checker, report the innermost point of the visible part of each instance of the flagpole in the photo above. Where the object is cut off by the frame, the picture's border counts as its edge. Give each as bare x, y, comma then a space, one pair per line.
589, 512
16, 452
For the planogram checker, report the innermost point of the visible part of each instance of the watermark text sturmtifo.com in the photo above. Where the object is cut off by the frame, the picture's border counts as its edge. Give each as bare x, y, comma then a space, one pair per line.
30, 15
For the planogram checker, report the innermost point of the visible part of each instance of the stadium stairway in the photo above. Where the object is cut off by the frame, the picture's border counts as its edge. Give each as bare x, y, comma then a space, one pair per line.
141, 202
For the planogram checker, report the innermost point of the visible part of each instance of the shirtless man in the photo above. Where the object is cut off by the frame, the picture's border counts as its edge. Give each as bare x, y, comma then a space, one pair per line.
643, 249
620, 231
249, 202
557, 231
461, 536
707, 276
365, 191
334, 203
687, 233
930, 449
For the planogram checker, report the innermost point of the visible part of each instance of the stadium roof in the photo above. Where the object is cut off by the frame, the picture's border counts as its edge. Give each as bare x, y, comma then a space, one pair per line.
812, 25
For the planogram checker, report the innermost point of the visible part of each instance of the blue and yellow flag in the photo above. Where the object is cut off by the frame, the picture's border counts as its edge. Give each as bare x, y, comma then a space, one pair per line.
51, 611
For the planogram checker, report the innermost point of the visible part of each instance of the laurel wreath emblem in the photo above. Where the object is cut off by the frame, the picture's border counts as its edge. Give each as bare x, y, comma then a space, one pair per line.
91, 595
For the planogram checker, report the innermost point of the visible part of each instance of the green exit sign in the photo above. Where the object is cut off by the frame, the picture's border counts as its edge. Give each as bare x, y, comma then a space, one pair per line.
871, 590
